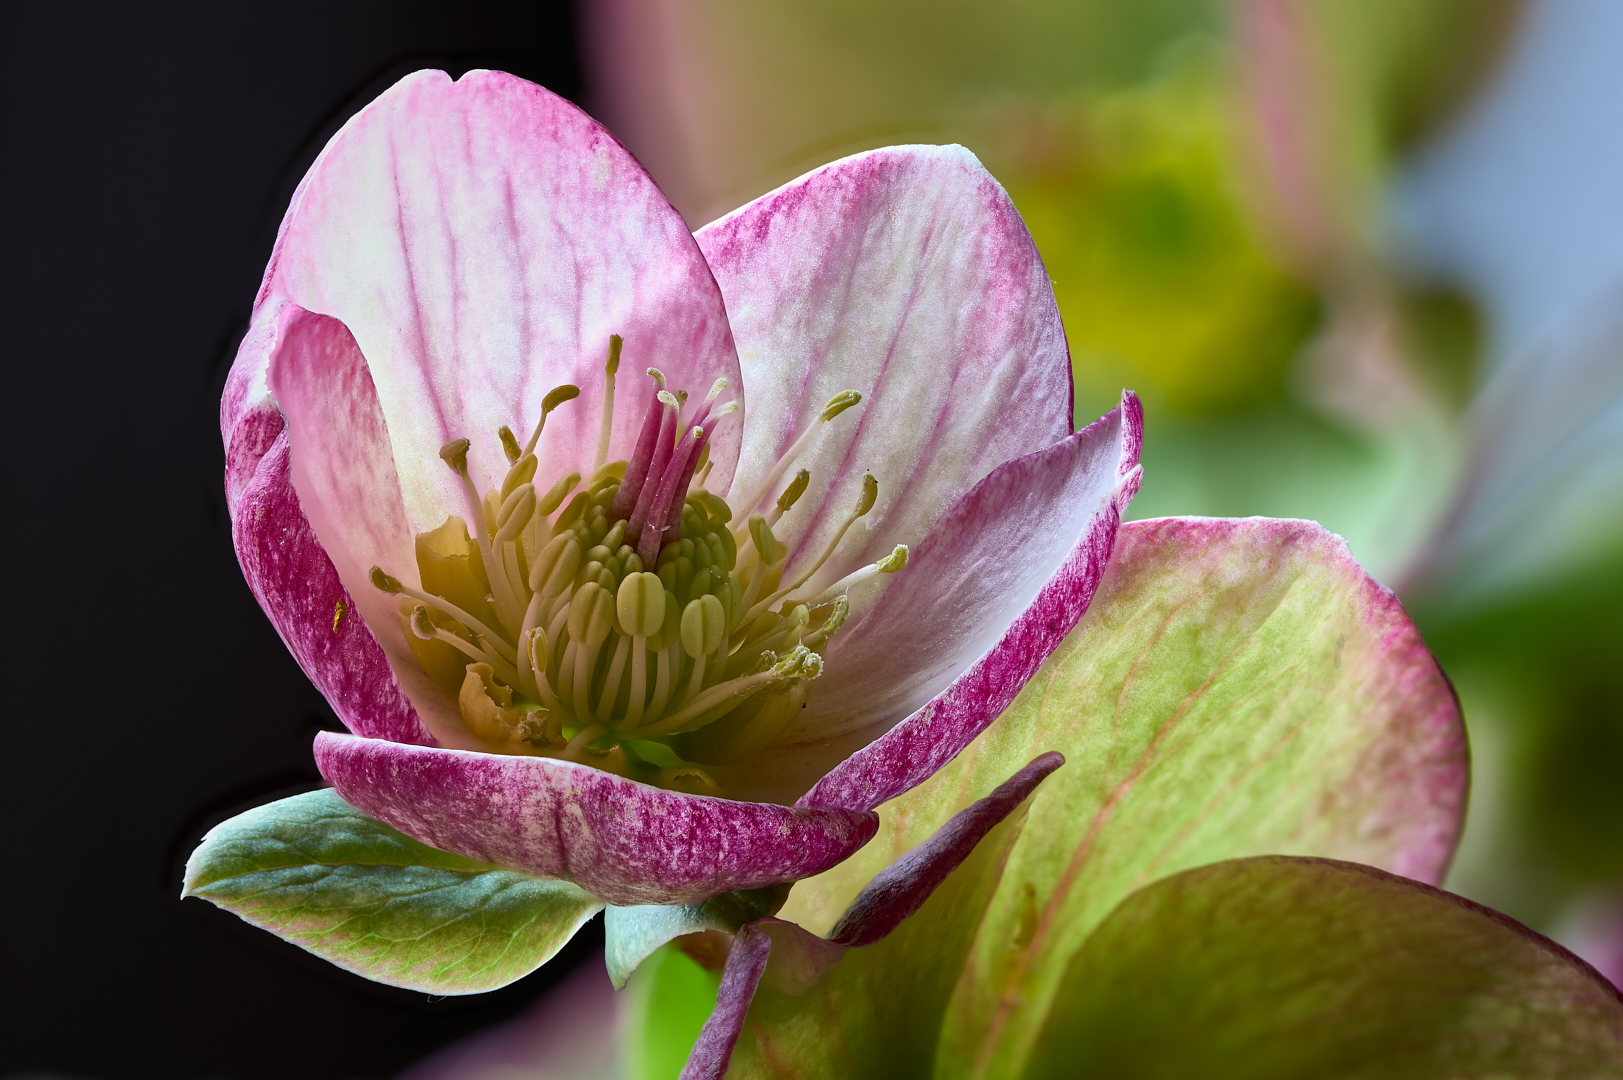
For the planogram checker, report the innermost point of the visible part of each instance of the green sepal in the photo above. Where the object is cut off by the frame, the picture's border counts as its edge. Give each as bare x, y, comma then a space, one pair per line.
318, 873
632, 934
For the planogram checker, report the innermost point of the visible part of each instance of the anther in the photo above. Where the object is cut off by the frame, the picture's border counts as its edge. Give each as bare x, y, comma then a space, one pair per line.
522, 472
385, 583
870, 492
792, 493
839, 403
555, 397
455, 454
640, 603
510, 445
515, 513
556, 494
836, 619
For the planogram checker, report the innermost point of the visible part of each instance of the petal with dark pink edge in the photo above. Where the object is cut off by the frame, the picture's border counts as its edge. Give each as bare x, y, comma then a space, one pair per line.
482, 239
1002, 579
286, 566
624, 842
905, 274
746, 962
342, 466
902, 888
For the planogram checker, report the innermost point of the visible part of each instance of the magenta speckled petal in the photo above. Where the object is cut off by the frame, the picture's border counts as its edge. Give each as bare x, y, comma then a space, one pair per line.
482, 239
624, 842
1089, 480
746, 962
342, 467
902, 887
905, 274
288, 570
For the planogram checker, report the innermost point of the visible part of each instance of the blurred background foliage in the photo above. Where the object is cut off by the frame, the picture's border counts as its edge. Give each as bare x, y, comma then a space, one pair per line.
1216, 187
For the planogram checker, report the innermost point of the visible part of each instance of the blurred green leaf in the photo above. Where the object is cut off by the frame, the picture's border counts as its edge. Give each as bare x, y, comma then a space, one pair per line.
1276, 968
663, 1008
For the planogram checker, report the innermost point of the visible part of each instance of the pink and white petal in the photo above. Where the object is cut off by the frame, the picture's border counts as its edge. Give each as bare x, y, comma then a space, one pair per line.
1000, 580
341, 462
905, 274
286, 567
482, 239
910, 752
624, 842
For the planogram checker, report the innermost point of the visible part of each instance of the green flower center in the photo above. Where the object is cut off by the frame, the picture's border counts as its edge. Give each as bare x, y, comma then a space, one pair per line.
630, 623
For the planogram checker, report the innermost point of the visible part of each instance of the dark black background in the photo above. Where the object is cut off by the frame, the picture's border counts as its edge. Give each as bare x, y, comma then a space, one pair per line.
149, 151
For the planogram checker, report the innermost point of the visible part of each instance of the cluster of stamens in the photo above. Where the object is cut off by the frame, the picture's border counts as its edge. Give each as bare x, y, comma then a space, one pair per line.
628, 623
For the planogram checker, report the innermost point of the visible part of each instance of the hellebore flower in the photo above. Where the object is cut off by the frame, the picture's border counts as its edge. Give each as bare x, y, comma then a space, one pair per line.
607, 637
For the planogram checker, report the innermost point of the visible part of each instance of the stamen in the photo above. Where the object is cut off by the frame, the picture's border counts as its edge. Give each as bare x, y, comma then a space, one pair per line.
384, 582
888, 565
554, 567
539, 656
583, 738
424, 628
555, 397
591, 617
610, 367
836, 405
510, 445
704, 624
640, 604
801, 663
865, 501
508, 609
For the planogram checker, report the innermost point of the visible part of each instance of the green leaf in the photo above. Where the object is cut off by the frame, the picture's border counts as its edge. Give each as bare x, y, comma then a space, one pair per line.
1275, 968
1236, 688
316, 872
631, 934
